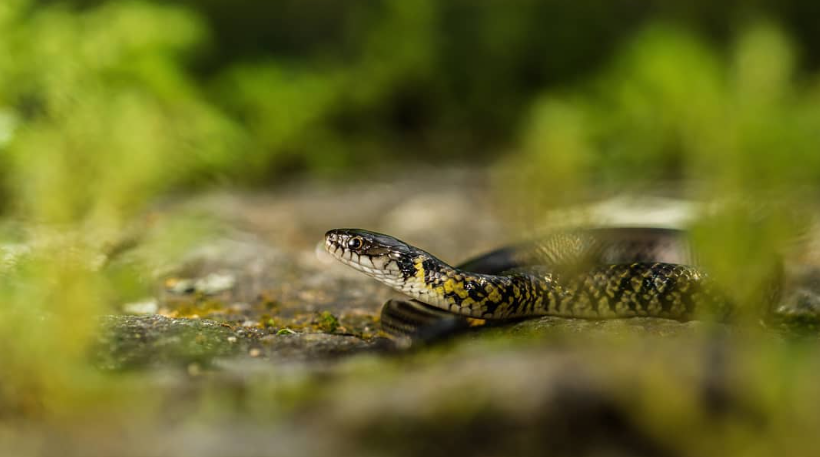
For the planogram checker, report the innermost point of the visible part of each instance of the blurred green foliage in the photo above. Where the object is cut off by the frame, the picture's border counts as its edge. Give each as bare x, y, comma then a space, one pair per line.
322, 86
101, 112
670, 109
100, 118
738, 131
106, 107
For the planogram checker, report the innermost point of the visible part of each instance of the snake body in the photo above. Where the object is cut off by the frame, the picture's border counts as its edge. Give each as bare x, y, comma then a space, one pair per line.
592, 273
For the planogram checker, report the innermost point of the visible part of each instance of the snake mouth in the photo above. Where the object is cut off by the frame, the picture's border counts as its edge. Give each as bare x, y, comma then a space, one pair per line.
374, 254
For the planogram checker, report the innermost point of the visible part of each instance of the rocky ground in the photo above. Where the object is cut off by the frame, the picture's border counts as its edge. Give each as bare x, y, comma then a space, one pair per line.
266, 283
257, 343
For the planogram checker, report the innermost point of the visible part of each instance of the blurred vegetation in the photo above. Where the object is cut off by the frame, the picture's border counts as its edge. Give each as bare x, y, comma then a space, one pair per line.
324, 86
738, 130
107, 107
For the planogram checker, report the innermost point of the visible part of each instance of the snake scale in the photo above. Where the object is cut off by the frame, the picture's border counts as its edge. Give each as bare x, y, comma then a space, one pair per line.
596, 273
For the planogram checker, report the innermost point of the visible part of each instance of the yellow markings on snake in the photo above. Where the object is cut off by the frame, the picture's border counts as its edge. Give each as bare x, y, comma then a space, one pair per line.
637, 282
591, 286
457, 287
420, 273
419, 270
494, 296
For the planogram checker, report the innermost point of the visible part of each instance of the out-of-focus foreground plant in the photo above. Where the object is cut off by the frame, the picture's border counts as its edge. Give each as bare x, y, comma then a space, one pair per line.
97, 119
736, 130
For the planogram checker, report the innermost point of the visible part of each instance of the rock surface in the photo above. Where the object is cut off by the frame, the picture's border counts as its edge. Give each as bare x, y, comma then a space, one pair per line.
256, 343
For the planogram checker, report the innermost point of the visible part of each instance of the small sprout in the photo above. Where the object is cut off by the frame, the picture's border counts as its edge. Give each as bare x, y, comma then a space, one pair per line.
285, 331
328, 322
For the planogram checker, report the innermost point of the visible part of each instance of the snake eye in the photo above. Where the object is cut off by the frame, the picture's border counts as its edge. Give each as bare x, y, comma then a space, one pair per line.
355, 242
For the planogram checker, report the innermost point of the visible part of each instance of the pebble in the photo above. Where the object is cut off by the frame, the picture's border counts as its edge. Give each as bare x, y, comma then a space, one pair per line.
215, 283
212, 284
180, 286
148, 306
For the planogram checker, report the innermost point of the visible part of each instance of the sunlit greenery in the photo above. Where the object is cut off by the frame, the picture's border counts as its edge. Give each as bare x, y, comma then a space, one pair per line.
673, 117
108, 108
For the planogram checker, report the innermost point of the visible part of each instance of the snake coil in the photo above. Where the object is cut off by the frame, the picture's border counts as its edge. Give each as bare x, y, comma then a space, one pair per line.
590, 273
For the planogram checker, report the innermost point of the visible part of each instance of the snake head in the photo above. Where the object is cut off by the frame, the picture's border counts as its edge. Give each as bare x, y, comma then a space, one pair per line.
395, 263
375, 254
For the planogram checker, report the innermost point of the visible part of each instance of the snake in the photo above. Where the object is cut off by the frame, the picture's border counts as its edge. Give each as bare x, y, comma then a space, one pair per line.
590, 273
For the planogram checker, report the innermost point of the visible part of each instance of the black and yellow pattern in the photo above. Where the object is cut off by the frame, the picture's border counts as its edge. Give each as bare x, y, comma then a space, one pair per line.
612, 291
596, 274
